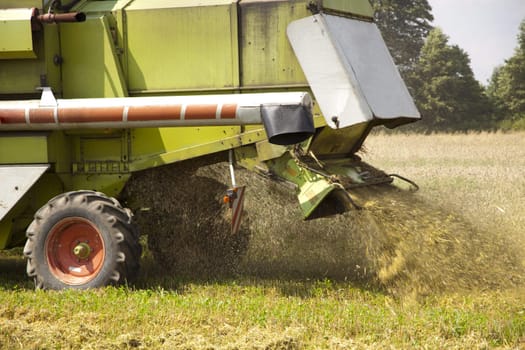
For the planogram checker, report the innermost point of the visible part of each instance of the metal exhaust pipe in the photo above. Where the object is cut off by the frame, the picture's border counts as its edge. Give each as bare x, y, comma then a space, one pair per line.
62, 17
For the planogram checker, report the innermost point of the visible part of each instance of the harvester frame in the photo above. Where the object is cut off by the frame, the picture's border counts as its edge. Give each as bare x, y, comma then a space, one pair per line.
94, 91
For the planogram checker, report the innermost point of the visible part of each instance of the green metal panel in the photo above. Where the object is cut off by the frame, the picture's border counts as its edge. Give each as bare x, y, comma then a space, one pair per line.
360, 8
154, 147
267, 57
91, 67
90, 159
116, 18
5, 231
171, 4
312, 188
48, 186
100, 148
341, 142
182, 45
30, 149
22, 76
109, 184
16, 39
60, 151
9, 4
51, 49
103, 6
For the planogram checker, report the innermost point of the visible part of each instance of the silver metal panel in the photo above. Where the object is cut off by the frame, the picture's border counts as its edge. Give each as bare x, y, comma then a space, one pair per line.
366, 54
334, 86
15, 181
350, 70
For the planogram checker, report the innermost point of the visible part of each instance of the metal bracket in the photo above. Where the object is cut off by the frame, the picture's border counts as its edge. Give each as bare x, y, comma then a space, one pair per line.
48, 98
16, 181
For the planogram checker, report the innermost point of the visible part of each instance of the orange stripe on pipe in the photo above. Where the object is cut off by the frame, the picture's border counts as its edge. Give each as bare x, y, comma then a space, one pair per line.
90, 115
12, 116
229, 111
147, 113
42, 115
200, 112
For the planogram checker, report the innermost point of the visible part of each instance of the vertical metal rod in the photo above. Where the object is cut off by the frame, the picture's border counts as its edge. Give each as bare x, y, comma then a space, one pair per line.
232, 172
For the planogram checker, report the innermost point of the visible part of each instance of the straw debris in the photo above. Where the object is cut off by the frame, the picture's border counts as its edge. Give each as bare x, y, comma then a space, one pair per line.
398, 241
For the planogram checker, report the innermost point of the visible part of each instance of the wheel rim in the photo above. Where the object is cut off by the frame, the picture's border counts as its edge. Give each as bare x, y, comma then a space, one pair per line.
75, 251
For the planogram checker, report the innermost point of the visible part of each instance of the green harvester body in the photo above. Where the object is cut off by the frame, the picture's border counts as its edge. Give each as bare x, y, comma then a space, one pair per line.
85, 91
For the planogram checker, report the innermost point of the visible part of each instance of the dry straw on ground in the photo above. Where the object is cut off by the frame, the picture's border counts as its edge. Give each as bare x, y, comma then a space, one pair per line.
407, 243
463, 231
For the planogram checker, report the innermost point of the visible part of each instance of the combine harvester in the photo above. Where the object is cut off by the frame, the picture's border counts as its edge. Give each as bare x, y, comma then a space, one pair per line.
92, 92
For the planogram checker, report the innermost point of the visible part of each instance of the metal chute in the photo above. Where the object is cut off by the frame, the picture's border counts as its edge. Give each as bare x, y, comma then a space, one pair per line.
350, 71
357, 86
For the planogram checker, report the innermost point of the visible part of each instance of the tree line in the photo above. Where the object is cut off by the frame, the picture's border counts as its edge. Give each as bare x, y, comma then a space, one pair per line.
440, 78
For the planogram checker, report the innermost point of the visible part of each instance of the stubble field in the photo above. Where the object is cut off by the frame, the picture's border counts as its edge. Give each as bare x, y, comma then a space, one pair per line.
443, 267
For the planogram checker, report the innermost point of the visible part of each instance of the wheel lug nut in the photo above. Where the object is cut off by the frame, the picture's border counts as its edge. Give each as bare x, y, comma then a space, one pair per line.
82, 250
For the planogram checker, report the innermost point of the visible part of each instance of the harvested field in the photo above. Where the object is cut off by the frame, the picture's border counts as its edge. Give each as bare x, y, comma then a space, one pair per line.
401, 241
477, 181
439, 268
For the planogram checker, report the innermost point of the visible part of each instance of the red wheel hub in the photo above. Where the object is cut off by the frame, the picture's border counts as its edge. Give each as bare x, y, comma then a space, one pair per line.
75, 250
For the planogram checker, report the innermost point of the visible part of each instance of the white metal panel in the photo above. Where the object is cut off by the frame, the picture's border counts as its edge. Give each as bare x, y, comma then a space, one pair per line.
350, 70
367, 55
334, 86
15, 181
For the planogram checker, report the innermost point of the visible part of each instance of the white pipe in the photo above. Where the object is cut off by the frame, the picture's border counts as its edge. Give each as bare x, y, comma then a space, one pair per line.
136, 112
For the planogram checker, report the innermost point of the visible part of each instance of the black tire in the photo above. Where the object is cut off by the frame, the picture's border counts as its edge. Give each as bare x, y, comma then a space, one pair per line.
81, 240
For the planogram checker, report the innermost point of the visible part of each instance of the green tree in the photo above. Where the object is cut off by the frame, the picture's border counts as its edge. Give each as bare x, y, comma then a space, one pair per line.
445, 90
404, 25
507, 86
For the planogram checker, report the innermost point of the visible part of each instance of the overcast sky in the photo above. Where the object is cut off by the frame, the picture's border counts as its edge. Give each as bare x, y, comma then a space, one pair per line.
486, 29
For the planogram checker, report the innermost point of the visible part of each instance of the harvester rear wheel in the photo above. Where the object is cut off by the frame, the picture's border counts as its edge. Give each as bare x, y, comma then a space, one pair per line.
81, 240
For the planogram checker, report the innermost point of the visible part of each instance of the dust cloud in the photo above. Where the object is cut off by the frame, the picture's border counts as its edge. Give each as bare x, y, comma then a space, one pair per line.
398, 241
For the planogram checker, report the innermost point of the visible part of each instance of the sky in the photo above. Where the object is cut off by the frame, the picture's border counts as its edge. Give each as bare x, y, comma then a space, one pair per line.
486, 29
